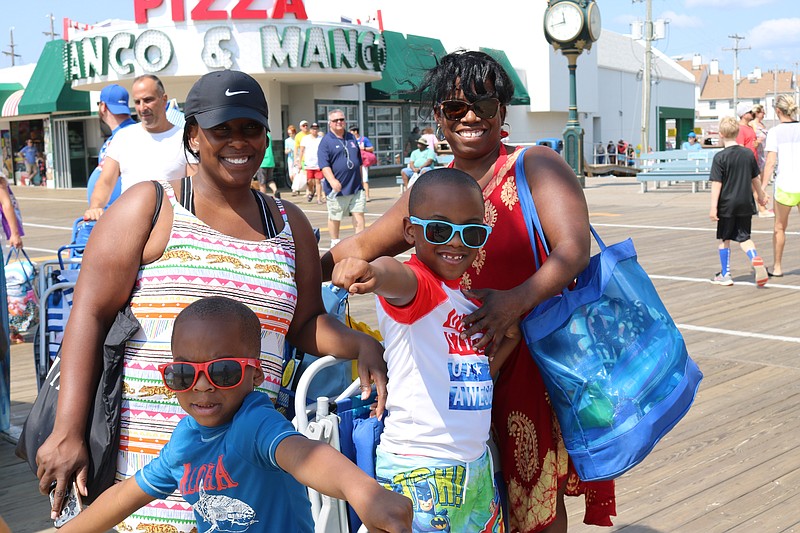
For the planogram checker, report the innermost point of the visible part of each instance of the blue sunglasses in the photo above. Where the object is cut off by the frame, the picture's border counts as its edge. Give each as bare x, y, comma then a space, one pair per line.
441, 232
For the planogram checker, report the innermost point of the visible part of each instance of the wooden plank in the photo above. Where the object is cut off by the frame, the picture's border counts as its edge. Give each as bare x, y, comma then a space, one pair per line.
730, 465
689, 465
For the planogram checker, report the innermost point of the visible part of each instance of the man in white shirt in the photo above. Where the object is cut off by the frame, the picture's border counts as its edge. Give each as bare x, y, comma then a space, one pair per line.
152, 149
307, 154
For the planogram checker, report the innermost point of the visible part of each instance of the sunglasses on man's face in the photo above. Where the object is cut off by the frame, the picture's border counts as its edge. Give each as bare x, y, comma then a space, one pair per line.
442, 232
458, 109
225, 373
334, 120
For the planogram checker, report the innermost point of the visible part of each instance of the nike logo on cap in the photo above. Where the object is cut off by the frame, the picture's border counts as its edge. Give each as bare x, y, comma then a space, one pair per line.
228, 92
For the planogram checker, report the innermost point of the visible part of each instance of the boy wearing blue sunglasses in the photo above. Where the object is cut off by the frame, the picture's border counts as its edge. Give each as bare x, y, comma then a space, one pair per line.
434, 445
237, 460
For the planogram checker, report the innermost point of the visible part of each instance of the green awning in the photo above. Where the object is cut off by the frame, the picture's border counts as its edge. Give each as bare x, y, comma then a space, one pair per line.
407, 60
6, 90
49, 91
520, 92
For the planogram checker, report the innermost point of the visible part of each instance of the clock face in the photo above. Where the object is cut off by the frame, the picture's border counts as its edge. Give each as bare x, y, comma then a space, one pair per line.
594, 22
563, 21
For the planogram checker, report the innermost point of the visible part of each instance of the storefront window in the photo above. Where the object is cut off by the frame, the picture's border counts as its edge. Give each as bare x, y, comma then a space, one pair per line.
385, 130
350, 113
16, 138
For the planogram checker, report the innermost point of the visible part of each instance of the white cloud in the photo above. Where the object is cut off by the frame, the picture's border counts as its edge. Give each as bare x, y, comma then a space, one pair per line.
681, 21
775, 33
728, 4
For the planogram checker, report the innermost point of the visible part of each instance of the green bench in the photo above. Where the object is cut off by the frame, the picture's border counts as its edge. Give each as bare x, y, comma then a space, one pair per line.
673, 166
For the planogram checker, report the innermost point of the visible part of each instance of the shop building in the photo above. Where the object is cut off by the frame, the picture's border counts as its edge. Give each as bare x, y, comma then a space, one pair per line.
306, 68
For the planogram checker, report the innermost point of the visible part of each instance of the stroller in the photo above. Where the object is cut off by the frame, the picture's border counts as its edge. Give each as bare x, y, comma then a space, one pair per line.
56, 284
345, 424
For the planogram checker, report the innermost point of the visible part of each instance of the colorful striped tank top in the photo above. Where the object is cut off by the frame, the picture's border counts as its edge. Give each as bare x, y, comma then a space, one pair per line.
197, 262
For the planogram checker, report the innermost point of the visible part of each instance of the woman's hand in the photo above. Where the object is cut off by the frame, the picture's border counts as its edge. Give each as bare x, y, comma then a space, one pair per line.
372, 369
500, 312
15, 241
60, 459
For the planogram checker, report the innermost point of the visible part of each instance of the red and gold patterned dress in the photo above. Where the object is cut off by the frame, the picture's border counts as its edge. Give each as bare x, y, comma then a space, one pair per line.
534, 460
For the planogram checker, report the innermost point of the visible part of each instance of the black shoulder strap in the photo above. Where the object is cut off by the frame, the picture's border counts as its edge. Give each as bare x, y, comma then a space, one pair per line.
187, 198
159, 200
267, 222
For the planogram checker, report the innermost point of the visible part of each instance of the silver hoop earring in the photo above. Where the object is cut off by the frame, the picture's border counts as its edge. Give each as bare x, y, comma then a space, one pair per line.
438, 133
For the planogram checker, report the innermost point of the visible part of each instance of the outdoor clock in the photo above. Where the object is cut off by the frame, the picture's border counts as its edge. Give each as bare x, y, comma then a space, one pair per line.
594, 22
563, 21
572, 24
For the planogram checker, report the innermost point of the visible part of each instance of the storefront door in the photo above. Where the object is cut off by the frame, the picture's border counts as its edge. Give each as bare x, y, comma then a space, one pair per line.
78, 164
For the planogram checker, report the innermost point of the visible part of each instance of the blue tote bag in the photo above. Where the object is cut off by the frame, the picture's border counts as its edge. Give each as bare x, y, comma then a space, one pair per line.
613, 362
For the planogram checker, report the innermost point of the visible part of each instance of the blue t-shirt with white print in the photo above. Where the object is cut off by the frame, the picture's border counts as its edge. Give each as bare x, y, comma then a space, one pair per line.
229, 473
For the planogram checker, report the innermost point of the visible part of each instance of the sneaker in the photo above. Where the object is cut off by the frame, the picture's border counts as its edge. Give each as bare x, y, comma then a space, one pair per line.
725, 280
768, 213
761, 275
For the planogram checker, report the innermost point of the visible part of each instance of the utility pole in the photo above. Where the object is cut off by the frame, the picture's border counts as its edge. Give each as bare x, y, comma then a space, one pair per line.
12, 46
52, 33
736, 37
650, 33
647, 34
648, 67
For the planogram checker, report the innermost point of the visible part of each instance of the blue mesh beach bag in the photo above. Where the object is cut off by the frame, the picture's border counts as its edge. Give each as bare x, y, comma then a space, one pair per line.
613, 362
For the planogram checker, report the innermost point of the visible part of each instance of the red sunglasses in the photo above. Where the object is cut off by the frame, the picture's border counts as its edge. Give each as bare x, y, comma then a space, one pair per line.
225, 373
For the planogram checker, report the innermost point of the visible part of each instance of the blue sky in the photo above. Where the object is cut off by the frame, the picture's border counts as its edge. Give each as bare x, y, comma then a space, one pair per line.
771, 27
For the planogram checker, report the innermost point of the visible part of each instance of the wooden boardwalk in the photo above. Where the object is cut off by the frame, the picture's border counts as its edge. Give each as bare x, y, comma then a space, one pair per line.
733, 464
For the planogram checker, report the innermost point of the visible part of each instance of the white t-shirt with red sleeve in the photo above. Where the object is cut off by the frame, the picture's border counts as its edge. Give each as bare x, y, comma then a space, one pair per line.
440, 389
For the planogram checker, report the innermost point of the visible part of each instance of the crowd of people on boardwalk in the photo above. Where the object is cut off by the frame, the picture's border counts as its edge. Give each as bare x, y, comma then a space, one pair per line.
220, 276
615, 153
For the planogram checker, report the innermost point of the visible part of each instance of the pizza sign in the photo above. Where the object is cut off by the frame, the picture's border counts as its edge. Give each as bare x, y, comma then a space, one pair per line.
202, 10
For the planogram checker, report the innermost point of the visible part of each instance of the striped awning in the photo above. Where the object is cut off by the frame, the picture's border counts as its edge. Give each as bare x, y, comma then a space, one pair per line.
11, 106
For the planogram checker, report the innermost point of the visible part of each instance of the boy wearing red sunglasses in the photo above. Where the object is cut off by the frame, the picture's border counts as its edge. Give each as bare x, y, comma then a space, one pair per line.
237, 460
434, 445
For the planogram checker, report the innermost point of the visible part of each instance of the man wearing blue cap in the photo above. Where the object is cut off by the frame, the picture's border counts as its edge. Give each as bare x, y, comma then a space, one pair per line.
691, 143
112, 109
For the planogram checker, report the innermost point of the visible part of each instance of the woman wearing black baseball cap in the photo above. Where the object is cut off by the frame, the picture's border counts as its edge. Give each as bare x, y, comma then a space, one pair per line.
159, 248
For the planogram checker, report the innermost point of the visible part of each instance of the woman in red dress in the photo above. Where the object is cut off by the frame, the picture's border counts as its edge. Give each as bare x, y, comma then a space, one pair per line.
470, 92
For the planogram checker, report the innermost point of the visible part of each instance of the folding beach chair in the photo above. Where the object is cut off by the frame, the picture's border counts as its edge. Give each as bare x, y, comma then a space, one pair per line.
56, 282
345, 424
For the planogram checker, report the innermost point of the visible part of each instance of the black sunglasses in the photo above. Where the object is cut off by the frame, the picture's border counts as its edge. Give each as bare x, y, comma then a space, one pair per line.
458, 109
441, 232
225, 373
337, 120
